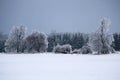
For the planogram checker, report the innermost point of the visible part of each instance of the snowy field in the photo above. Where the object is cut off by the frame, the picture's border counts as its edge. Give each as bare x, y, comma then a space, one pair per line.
59, 67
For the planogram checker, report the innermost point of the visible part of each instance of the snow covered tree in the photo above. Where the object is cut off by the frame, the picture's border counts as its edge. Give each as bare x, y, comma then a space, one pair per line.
101, 41
3, 38
15, 40
37, 42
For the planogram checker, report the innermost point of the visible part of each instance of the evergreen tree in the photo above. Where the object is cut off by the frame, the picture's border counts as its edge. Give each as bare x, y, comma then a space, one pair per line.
3, 38
116, 43
76, 40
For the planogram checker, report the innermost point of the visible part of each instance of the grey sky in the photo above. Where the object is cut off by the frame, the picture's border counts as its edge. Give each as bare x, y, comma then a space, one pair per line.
59, 15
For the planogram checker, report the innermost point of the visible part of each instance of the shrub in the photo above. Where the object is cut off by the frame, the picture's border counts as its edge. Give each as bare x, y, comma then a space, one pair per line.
76, 51
86, 49
62, 48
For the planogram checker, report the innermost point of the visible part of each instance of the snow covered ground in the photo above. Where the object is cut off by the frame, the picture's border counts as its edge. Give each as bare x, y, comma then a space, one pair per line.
59, 67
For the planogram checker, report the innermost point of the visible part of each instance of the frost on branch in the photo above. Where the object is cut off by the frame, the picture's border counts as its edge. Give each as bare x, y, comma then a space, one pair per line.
37, 42
15, 40
86, 49
62, 48
101, 40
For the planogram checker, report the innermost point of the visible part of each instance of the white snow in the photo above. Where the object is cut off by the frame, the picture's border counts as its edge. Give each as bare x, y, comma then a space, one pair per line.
59, 67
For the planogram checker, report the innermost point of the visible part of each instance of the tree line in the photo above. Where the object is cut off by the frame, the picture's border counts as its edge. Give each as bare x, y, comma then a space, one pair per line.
99, 41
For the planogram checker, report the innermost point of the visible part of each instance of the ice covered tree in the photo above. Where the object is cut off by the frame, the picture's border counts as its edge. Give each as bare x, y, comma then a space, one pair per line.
15, 40
37, 42
101, 40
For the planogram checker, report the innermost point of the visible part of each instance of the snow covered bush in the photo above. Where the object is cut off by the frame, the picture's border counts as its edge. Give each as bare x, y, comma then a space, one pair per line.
76, 51
37, 42
57, 49
112, 50
62, 48
86, 49
14, 43
101, 41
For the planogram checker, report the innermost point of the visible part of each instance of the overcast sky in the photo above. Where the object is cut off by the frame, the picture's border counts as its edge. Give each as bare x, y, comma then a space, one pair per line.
59, 15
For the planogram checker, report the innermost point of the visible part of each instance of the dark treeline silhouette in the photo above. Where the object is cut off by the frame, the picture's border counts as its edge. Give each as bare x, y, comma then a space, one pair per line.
3, 38
116, 42
76, 40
